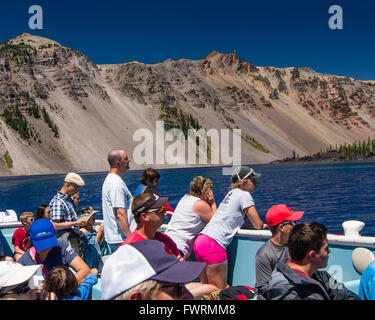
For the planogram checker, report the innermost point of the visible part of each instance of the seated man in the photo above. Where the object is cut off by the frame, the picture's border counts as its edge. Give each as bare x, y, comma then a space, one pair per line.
144, 271
300, 278
50, 252
281, 219
149, 182
149, 214
21, 239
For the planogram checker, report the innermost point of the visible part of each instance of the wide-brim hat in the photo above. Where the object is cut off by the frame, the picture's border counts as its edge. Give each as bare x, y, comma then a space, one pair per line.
13, 273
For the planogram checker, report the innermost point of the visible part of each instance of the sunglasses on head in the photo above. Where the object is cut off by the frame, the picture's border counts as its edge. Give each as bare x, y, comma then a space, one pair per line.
250, 175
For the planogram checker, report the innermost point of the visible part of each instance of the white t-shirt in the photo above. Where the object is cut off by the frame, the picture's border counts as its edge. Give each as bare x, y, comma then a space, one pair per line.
229, 217
185, 224
115, 194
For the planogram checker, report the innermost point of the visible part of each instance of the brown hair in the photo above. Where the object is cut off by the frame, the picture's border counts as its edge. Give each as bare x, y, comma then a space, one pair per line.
199, 185
40, 211
138, 201
305, 237
149, 174
61, 281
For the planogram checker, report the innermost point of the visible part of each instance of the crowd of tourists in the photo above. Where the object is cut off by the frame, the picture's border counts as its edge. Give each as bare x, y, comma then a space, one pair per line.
60, 252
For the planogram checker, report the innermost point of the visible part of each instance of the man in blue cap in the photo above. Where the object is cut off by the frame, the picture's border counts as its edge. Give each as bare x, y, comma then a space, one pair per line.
50, 252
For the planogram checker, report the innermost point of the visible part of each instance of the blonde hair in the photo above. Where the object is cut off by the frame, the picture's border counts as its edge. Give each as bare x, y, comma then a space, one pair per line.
199, 185
25, 215
149, 287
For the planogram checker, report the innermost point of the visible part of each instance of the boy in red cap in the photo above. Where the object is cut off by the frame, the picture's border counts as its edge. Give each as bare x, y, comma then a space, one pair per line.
281, 219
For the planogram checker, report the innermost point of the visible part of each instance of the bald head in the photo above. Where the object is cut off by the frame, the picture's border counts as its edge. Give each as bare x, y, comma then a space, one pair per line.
113, 156
118, 161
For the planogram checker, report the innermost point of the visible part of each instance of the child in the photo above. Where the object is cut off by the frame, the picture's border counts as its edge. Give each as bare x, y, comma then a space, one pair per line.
62, 282
21, 239
91, 249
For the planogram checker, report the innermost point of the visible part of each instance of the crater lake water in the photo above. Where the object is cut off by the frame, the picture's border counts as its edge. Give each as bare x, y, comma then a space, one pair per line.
329, 193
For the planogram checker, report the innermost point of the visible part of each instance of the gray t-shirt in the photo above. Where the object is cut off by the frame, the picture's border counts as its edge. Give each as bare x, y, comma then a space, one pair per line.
266, 259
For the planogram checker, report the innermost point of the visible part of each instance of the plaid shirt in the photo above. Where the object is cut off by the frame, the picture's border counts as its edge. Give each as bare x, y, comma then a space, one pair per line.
62, 208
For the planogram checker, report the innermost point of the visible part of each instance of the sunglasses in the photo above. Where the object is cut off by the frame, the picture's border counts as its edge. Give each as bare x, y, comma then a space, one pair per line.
29, 219
179, 287
292, 223
158, 210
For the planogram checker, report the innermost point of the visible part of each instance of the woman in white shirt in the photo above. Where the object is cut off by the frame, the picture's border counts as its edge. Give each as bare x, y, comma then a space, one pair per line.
191, 215
211, 244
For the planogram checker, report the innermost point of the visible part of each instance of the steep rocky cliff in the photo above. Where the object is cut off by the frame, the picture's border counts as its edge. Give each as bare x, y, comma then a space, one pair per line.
60, 112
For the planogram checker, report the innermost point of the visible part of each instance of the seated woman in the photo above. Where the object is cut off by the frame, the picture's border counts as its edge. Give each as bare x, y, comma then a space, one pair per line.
211, 244
91, 249
192, 214
21, 239
42, 212
149, 182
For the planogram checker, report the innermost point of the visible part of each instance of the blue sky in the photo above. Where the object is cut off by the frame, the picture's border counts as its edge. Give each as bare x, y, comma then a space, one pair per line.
275, 33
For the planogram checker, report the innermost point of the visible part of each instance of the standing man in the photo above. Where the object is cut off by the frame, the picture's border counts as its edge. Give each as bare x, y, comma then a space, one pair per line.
281, 219
63, 213
116, 201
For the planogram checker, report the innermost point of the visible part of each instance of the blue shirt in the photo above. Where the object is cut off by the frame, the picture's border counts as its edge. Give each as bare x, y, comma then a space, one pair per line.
366, 288
84, 290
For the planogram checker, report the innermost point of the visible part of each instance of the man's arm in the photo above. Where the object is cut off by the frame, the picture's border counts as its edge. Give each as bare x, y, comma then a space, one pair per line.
65, 225
80, 267
122, 220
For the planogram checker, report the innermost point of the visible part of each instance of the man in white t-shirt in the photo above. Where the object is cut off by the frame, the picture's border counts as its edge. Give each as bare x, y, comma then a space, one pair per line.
116, 201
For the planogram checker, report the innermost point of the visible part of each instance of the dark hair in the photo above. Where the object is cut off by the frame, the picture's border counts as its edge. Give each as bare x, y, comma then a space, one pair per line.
149, 174
305, 237
40, 211
61, 281
138, 201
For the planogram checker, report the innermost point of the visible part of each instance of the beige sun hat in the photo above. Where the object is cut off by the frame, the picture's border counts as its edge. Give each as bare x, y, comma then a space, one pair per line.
12, 273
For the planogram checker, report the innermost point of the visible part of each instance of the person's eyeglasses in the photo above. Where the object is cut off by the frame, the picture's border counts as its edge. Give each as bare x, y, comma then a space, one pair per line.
29, 219
158, 210
292, 223
179, 287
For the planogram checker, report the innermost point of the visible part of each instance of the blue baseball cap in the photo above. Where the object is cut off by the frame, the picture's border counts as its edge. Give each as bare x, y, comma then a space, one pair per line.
42, 234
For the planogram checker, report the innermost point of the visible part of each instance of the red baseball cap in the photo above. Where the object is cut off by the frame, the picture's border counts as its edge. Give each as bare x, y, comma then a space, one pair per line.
281, 212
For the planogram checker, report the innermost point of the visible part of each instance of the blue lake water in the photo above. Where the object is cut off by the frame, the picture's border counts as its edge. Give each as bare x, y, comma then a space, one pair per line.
328, 193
